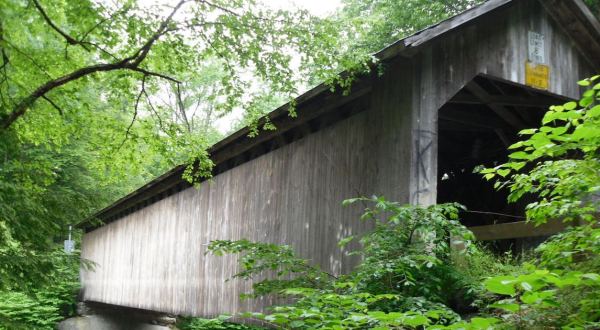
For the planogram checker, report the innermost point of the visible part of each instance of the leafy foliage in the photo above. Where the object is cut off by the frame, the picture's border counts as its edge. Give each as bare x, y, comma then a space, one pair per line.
560, 289
45, 304
575, 249
374, 24
328, 310
212, 324
559, 162
406, 277
409, 251
258, 258
39, 187
541, 297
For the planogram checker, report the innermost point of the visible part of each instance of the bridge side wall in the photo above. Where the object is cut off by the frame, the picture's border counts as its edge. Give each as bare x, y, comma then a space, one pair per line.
155, 258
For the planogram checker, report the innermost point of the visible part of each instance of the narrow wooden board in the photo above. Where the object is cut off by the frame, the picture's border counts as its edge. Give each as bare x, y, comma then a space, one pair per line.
520, 229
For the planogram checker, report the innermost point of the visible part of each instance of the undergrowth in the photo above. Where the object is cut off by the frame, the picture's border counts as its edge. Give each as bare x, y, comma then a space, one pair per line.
42, 307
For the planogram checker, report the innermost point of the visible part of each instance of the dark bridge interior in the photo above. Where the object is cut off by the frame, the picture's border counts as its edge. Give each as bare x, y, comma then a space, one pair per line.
475, 128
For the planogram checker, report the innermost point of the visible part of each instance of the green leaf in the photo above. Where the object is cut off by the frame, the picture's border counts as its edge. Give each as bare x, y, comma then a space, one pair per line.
513, 308
343, 242
520, 155
504, 285
297, 324
530, 298
586, 101
570, 105
516, 145
350, 201
593, 112
516, 165
584, 83
591, 276
503, 172
528, 131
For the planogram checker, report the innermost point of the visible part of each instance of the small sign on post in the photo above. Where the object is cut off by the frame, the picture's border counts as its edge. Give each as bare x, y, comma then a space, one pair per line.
537, 73
69, 244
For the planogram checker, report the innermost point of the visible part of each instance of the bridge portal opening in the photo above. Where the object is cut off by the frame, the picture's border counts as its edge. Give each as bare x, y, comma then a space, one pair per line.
476, 127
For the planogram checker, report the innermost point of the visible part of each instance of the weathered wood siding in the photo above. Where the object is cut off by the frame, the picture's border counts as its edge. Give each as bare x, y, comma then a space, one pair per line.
154, 258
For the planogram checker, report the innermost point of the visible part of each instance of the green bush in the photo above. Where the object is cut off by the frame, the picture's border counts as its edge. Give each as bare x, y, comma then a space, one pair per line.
213, 324
406, 278
43, 306
559, 163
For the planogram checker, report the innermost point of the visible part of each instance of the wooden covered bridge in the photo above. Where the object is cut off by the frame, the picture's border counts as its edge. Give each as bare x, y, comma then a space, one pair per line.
452, 96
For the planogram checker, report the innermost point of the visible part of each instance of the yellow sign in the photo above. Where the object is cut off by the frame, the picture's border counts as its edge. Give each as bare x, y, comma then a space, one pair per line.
537, 75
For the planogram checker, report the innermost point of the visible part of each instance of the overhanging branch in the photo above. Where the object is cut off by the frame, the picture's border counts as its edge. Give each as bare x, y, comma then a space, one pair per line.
70, 40
129, 63
135, 113
54, 105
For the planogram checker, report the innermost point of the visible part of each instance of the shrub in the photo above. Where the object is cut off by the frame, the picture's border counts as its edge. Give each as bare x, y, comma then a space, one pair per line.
44, 306
213, 324
406, 278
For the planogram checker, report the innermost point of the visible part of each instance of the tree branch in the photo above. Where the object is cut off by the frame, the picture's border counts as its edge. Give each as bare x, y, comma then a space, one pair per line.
153, 109
5, 59
135, 113
70, 40
82, 40
22, 106
181, 108
124, 9
155, 74
100, 48
54, 105
141, 53
234, 13
129, 63
31, 59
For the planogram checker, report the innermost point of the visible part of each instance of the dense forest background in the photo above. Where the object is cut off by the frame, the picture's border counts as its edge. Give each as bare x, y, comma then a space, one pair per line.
99, 97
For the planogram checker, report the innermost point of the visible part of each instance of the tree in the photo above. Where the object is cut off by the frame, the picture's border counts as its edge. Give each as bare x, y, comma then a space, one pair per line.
128, 49
82, 85
375, 24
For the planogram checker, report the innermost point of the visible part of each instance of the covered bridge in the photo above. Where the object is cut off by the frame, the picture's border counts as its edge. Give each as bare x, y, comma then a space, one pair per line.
452, 96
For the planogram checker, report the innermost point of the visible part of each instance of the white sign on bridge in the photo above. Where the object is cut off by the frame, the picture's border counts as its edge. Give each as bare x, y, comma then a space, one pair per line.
536, 48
